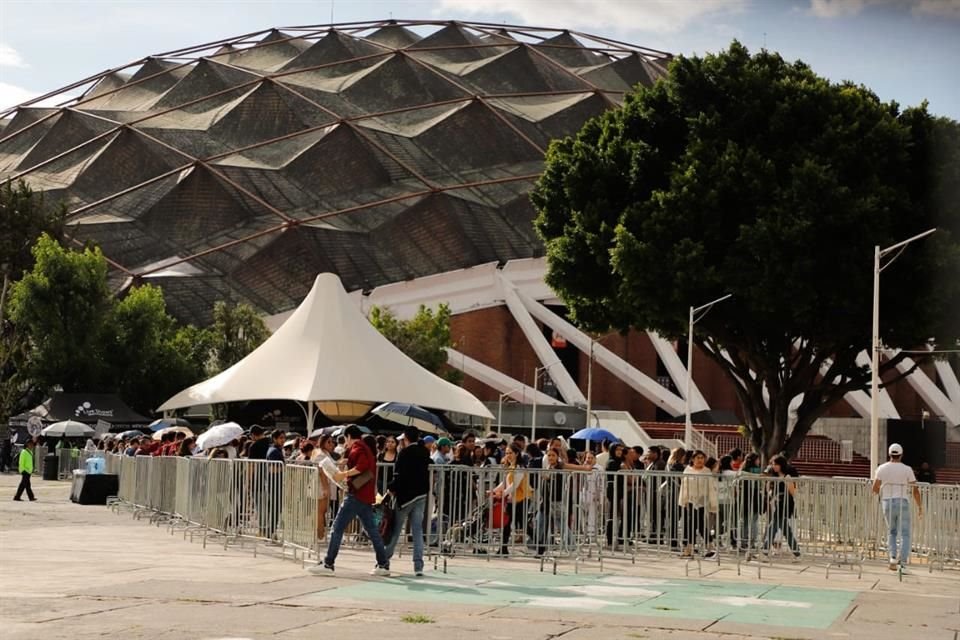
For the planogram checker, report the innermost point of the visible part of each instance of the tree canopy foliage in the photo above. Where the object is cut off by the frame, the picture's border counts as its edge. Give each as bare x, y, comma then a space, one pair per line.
73, 333
236, 331
424, 338
750, 175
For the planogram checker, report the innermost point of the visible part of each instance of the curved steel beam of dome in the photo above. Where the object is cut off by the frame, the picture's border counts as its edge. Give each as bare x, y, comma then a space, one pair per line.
137, 121
261, 76
328, 214
258, 77
477, 98
532, 49
268, 141
356, 129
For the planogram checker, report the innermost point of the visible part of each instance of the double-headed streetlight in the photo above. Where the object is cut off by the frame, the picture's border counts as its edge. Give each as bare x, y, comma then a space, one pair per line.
536, 379
694, 318
500, 405
879, 253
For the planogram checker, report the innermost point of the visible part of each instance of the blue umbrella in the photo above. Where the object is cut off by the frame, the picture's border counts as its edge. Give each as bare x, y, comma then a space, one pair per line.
595, 434
410, 414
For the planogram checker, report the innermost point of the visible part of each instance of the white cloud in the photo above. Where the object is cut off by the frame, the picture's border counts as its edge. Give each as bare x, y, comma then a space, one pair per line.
662, 16
841, 8
12, 95
9, 57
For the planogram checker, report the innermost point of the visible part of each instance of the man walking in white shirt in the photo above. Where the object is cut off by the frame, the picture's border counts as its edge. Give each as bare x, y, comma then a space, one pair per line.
895, 482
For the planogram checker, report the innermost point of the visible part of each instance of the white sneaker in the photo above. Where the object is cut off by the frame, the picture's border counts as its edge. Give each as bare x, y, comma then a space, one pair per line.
321, 569
419, 574
380, 571
893, 564
903, 570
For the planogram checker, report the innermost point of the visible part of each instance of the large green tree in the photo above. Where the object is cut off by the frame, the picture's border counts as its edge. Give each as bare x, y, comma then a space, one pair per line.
754, 176
424, 337
24, 215
73, 333
237, 330
151, 357
63, 304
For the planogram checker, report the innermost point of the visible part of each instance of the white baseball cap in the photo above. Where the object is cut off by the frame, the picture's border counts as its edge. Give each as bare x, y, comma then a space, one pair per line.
895, 450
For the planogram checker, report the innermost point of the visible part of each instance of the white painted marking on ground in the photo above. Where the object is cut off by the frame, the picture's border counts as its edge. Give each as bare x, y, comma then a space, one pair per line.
590, 604
626, 581
750, 601
611, 591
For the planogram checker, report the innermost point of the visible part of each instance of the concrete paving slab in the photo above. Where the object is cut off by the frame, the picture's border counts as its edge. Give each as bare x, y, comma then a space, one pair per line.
93, 574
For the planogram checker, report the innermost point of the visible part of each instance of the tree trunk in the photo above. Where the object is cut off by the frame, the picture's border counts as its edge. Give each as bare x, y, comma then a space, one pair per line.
3, 297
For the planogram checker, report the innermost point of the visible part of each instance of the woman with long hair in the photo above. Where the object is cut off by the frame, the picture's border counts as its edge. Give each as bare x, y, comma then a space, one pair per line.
513, 491
698, 494
325, 486
750, 497
782, 506
389, 452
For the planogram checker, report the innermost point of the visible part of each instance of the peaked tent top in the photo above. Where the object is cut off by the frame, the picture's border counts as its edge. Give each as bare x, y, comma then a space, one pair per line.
328, 350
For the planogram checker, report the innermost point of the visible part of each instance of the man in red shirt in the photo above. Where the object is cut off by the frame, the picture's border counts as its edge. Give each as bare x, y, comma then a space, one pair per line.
361, 478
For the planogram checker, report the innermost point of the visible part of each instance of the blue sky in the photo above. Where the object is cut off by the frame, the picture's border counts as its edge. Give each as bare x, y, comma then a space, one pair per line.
905, 50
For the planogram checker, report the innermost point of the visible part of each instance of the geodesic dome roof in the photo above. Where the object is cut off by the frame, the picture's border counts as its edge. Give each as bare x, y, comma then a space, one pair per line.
381, 151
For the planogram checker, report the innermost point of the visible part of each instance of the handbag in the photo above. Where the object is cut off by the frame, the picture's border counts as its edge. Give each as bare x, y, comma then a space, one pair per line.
358, 481
388, 517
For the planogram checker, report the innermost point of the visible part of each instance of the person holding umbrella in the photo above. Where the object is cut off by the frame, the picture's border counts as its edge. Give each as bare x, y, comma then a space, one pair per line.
26, 469
361, 477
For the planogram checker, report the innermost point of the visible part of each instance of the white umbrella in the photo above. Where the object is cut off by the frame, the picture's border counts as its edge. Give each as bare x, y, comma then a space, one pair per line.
184, 430
68, 429
220, 435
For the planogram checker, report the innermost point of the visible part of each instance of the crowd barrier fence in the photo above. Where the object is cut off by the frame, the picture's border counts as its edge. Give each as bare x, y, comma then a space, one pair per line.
552, 516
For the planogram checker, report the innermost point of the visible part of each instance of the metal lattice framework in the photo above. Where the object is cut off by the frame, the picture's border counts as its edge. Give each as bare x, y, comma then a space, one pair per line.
382, 151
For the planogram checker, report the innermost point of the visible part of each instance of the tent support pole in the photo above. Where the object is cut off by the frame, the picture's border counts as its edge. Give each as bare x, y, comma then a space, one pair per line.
310, 415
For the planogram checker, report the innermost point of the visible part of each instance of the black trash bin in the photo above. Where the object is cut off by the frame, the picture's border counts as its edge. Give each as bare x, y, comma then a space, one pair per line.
50, 466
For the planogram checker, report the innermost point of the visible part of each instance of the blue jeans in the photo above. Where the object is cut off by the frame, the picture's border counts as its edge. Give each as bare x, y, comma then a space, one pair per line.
897, 513
350, 509
410, 514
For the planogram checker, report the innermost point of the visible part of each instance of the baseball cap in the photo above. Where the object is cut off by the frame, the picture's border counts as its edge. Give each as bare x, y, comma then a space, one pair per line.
429, 440
895, 450
444, 442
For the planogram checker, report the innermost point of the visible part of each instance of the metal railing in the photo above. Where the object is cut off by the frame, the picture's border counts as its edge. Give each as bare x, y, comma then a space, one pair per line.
553, 515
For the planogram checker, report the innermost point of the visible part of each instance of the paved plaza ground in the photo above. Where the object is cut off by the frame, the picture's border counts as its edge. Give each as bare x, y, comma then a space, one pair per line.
71, 571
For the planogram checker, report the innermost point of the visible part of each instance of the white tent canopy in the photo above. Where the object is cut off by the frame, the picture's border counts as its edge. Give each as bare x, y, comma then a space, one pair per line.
327, 350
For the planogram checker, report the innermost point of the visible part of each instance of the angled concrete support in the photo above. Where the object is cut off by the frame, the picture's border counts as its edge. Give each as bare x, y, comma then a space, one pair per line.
886, 407
939, 403
677, 371
499, 381
565, 383
639, 381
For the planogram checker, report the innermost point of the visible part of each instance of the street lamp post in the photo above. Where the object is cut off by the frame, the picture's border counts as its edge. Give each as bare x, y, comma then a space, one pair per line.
536, 378
879, 253
590, 382
687, 422
500, 407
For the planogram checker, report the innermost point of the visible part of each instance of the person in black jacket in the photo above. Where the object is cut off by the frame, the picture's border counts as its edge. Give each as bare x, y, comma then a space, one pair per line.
410, 485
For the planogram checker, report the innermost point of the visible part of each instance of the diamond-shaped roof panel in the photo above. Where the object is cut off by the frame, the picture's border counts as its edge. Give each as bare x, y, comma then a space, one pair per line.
381, 151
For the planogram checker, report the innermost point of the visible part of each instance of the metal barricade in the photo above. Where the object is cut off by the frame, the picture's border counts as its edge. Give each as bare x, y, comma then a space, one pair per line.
304, 510
556, 515
260, 499
68, 460
142, 488
128, 479
222, 506
196, 491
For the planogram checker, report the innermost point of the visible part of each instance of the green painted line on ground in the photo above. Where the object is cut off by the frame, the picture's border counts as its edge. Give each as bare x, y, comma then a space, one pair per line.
740, 602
